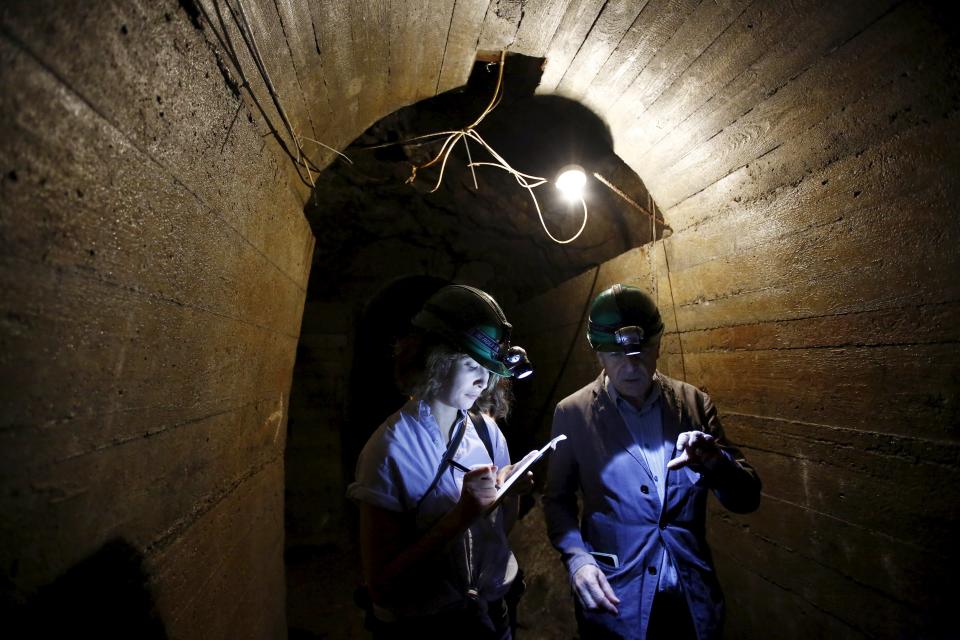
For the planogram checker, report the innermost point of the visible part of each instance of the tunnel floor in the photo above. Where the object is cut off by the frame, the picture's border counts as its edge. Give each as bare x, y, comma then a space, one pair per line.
320, 585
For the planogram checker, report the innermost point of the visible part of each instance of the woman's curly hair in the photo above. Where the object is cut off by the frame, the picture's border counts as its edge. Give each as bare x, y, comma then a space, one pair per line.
496, 399
423, 362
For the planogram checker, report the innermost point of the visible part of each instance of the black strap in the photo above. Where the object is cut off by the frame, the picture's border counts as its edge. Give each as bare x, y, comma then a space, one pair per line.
481, 426
445, 460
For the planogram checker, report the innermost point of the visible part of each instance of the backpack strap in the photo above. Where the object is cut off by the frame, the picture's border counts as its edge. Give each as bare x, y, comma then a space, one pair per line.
481, 426
445, 460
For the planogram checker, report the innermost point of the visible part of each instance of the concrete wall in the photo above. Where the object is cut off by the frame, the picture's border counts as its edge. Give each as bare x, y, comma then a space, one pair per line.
814, 273
854, 534
153, 264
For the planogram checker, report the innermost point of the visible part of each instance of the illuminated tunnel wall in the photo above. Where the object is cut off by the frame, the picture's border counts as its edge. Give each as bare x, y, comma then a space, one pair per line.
156, 263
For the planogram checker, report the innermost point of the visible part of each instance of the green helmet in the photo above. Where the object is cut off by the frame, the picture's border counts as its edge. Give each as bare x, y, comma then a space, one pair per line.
471, 320
623, 318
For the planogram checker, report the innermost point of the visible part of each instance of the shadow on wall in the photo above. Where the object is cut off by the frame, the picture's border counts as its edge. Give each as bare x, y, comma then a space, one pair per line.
371, 221
373, 395
104, 596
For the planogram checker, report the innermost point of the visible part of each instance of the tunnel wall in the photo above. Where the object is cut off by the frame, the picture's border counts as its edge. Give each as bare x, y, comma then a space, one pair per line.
802, 153
854, 533
814, 274
153, 264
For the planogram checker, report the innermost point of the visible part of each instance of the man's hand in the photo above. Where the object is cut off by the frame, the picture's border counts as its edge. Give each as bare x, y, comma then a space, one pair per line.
479, 491
697, 450
593, 590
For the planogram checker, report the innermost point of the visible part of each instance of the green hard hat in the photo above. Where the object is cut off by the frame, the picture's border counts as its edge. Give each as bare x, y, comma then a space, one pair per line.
623, 318
471, 320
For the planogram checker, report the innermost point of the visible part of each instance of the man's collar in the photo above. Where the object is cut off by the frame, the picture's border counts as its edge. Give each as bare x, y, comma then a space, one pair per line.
653, 393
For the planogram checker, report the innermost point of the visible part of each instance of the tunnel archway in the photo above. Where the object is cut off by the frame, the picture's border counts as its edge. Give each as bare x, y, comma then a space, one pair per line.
371, 224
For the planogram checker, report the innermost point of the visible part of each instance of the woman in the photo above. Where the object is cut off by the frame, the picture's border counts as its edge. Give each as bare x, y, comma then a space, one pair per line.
434, 550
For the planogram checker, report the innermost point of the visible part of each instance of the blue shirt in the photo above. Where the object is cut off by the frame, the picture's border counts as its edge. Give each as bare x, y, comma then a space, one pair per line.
599, 498
646, 426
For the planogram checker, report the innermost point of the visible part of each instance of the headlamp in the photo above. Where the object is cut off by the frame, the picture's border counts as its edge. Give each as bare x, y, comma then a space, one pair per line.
630, 339
516, 361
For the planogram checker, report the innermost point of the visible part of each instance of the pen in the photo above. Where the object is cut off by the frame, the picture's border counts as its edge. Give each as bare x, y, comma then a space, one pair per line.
457, 465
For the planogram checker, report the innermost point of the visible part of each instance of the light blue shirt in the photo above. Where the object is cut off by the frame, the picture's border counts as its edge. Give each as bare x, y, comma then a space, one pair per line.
646, 426
394, 471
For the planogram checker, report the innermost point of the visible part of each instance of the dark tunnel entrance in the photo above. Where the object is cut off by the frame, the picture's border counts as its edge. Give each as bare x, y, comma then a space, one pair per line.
372, 394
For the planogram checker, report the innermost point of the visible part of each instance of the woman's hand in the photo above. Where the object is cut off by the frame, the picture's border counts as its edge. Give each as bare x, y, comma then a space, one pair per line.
520, 486
479, 492
392, 560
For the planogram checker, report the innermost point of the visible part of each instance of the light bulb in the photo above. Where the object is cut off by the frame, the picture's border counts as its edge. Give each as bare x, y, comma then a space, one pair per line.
571, 181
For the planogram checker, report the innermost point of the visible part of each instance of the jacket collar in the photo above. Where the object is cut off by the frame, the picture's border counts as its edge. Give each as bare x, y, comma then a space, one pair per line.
611, 425
652, 395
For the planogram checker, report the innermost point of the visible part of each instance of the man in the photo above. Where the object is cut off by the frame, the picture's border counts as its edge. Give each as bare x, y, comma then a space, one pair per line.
643, 449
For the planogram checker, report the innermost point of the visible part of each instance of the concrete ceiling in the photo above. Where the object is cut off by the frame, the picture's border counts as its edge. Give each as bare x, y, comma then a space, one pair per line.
376, 214
719, 106
320, 73
692, 90
337, 67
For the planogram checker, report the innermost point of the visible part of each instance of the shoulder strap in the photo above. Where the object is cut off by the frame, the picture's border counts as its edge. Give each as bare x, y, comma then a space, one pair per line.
445, 460
481, 426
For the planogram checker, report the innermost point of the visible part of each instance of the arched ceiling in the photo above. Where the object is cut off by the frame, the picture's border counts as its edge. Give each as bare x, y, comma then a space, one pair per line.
692, 90
404, 205
320, 73
720, 106
337, 67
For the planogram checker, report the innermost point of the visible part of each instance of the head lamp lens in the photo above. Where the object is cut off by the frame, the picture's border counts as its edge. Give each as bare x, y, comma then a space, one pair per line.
628, 337
517, 362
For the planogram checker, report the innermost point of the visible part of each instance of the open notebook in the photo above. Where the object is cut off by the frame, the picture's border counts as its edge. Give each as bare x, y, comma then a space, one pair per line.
520, 468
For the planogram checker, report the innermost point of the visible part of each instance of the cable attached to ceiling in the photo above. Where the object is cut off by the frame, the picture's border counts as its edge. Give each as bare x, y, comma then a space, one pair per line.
650, 210
525, 180
673, 303
302, 159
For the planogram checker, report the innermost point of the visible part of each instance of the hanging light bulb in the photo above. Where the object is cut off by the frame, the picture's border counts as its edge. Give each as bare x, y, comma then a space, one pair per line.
571, 182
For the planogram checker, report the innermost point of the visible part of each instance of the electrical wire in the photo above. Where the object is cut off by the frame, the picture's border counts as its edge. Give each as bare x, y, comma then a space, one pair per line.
527, 181
522, 180
302, 158
649, 211
673, 302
